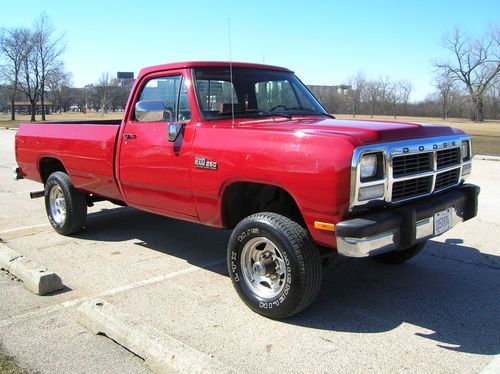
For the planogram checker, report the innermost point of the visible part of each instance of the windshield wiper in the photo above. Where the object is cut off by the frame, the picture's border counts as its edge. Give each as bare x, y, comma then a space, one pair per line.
263, 113
312, 111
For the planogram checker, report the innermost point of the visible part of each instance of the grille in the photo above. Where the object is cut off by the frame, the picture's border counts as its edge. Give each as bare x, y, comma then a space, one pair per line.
448, 157
412, 187
411, 164
446, 179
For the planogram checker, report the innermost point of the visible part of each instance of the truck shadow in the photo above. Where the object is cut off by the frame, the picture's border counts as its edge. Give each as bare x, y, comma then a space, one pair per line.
198, 245
450, 292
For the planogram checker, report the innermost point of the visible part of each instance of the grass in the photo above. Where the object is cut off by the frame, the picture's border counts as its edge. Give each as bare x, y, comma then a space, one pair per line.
485, 136
8, 366
70, 116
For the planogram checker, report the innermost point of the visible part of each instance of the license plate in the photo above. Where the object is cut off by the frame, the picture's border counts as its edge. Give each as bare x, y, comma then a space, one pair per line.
442, 221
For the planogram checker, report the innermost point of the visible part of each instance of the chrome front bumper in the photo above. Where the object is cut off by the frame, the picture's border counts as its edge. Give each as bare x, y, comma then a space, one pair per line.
402, 227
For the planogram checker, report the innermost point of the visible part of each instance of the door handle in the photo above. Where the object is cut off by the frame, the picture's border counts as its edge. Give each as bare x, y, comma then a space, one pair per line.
130, 136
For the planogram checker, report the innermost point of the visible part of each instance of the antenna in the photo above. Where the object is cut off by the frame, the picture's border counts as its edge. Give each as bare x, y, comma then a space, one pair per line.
231, 71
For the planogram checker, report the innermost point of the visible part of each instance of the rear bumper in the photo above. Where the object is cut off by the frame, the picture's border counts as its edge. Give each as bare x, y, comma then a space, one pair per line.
404, 226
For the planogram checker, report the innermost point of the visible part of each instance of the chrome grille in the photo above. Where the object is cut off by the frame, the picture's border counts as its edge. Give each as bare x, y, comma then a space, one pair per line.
413, 168
411, 164
448, 157
447, 178
411, 188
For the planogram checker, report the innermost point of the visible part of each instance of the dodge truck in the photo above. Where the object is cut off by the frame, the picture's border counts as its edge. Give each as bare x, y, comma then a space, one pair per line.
247, 147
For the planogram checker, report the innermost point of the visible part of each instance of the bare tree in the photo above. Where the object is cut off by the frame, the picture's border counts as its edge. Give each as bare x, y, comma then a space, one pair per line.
49, 49
372, 93
30, 75
14, 46
103, 92
475, 63
398, 93
358, 85
394, 97
406, 88
446, 86
59, 82
385, 86
494, 98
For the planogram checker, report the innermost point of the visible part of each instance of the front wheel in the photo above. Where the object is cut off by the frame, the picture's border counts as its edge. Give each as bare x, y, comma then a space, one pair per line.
66, 207
274, 265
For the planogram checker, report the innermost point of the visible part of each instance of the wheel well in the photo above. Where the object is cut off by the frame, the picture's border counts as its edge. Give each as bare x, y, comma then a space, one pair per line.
245, 198
49, 165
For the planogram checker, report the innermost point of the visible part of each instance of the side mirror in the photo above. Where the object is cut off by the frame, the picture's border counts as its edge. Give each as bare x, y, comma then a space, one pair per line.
174, 129
149, 111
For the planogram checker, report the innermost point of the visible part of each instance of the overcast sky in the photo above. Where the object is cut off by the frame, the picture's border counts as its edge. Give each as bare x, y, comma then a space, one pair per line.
324, 42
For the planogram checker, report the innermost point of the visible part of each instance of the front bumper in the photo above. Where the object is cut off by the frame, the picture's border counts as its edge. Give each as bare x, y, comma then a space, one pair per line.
401, 227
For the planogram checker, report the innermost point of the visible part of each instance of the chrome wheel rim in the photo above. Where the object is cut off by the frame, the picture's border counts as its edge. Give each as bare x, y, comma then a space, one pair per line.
263, 267
57, 205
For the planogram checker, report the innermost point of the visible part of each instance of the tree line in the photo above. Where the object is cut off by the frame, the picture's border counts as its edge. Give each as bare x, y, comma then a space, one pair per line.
466, 84
32, 69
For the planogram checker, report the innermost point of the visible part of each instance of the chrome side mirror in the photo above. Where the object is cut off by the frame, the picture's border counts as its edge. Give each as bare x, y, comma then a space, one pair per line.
149, 111
174, 129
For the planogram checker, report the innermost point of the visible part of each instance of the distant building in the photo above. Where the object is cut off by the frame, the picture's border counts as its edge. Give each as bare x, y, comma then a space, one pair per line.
125, 79
320, 90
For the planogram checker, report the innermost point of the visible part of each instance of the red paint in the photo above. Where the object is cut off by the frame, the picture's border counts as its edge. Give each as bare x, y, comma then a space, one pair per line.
307, 156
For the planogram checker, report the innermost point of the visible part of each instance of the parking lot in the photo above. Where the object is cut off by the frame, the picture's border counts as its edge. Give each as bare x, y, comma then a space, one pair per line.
438, 313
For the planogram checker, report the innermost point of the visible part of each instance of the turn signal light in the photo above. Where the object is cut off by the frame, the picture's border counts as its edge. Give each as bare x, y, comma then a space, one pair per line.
324, 226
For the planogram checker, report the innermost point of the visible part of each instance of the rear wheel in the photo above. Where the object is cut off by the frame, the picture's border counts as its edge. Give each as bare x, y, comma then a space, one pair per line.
274, 265
66, 207
398, 257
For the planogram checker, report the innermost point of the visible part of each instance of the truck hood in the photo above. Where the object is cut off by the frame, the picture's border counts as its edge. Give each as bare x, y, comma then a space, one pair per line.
364, 131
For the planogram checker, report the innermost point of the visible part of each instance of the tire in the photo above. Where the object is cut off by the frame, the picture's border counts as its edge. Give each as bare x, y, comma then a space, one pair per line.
274, 265
398, 257
66, 207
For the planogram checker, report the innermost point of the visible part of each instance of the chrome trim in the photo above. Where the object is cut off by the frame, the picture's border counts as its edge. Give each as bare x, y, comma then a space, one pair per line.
387, 241
402, 148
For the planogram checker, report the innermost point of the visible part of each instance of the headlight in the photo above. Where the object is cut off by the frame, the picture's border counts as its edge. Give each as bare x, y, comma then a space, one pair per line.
465, 150
368, 166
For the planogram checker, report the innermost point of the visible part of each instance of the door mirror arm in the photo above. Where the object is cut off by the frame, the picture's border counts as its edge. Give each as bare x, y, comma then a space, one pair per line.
174, 129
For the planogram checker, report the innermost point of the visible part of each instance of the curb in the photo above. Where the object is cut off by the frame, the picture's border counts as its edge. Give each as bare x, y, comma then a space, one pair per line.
486, 158
36, 278
493, 367
161, 352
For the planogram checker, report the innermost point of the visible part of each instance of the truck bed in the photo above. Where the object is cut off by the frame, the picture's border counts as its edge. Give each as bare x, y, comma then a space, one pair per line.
86, 152
92, 122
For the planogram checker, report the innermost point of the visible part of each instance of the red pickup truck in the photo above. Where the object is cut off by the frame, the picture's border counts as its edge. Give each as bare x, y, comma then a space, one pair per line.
247, 147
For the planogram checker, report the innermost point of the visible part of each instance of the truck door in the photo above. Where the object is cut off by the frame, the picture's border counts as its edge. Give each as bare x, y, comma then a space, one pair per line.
155, 172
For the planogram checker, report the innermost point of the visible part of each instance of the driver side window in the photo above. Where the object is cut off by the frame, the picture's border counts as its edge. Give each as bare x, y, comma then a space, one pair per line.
172, 93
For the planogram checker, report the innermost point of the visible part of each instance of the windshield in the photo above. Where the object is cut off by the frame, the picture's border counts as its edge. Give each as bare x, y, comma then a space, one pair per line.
252, 93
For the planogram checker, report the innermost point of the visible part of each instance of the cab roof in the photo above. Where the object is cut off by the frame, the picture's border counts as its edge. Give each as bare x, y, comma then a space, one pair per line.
207, 64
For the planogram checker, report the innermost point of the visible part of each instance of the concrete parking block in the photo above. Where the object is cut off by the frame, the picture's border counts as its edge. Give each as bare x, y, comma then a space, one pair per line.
161, 352
486, 158
36, 278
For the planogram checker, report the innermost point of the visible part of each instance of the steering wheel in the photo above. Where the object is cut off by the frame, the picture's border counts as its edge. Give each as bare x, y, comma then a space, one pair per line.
278, 106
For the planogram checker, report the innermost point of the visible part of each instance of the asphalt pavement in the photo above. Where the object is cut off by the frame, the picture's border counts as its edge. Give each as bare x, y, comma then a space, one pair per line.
438, 313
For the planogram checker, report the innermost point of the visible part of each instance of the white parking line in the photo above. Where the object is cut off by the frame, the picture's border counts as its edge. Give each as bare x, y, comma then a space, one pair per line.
91, 216
24, 228
68, 304
14, 193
